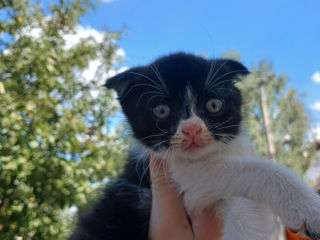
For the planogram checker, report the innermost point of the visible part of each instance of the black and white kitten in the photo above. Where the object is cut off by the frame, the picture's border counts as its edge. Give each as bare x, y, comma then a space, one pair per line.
187, 110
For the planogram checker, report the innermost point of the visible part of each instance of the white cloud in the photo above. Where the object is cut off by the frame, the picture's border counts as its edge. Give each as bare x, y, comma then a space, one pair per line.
35, 32
71, 39
316, 106
316, 77
81, 33
31, 31
315, 133
108, 1
120, 52
94, 70
90, 72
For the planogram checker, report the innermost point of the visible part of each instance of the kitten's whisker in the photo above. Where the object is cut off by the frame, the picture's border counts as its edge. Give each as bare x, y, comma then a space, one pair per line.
155, 93
212, 85
150, 79
225, 138
209, 73
220, 124
153, 135
229, 126
225, 134
164, 157
231, 72
164, 165
145, 158
169, 156
145, 167
138, 85
160, 128
215, 73
157, 72
158, 144
150, 100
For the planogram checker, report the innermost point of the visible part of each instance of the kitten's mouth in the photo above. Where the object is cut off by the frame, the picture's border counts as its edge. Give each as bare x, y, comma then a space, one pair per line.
192, 146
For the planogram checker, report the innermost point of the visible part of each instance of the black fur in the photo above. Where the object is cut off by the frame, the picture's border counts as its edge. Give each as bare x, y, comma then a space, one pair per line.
124, 211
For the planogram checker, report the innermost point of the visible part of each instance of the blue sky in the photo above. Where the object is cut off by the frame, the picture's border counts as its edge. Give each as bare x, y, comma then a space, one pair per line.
285, 32
282, 31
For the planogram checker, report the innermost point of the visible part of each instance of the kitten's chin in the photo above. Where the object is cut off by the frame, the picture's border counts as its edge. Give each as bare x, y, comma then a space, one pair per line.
190, 153
194, 152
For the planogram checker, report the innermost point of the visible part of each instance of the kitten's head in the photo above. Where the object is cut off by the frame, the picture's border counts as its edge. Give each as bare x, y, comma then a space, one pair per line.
182, 104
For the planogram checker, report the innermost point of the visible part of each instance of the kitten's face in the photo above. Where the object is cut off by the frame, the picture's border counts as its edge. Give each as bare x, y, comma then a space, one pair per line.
182, 104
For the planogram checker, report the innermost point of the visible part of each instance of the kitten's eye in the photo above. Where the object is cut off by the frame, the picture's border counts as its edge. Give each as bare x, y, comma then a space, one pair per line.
214, 105
161, 111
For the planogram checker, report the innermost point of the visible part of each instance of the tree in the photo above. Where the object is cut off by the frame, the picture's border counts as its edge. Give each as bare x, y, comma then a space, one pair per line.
54, 135
286, 125
286, 115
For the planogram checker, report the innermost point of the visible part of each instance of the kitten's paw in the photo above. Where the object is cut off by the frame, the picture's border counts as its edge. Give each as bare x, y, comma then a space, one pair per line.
308, 224
312, 226
313, 236
304, 217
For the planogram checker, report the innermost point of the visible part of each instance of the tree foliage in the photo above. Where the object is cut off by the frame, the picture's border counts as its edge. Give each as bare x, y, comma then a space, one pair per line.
54, 134
289, 123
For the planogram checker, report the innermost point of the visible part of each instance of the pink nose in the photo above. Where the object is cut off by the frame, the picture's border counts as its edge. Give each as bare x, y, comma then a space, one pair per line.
191, 130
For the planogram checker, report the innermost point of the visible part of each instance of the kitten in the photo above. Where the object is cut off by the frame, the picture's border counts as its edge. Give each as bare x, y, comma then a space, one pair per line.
187, 110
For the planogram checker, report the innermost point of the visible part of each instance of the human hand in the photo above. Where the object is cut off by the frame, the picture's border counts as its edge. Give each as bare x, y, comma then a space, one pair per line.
169, 219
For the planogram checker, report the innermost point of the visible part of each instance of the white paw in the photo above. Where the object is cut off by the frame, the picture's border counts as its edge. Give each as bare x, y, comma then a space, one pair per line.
307, 221
312, 225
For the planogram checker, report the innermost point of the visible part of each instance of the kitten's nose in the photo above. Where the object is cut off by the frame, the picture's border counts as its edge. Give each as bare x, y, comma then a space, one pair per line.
191, 130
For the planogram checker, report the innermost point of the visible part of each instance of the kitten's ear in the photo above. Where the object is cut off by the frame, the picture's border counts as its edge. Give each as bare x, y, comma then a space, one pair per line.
233, 69
118, 82
121, 81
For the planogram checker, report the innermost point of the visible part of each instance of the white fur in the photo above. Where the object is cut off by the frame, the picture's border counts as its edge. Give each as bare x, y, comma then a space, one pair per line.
190, 99
248, 188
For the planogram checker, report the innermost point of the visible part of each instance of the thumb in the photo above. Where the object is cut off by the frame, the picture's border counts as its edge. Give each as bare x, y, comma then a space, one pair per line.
159, 176
168, 215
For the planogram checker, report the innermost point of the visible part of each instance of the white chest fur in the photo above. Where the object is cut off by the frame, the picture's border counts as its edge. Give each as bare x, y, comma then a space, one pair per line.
203, 180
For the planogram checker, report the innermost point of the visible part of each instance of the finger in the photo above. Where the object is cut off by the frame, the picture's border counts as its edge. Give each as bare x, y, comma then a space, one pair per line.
159, 177
168, 218
207, 225
161, 183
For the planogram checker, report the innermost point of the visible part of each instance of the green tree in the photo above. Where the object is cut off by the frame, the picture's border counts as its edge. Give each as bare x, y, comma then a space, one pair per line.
55, 141
287, 117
